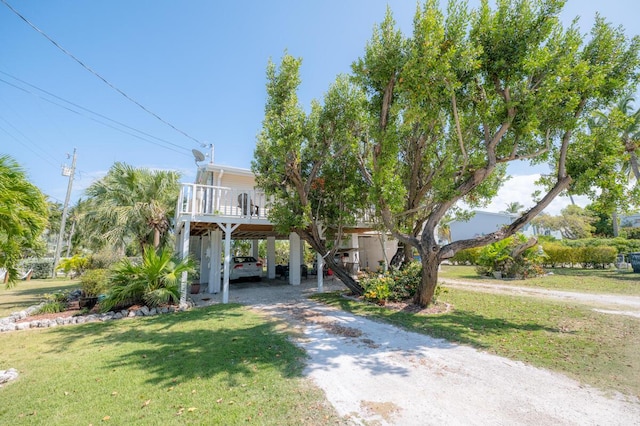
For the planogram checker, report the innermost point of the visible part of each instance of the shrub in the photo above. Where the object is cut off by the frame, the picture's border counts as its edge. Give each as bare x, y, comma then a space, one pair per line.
559, 255
54, 303
41, 267
94, 282
498, 257
154, 281
74, 265
467, 256
104, 259
597, 257
395, 286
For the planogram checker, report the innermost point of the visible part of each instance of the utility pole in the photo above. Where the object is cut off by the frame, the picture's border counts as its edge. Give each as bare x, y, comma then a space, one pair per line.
65, 172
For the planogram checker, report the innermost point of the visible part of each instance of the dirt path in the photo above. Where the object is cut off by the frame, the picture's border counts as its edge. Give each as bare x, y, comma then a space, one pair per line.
375, 373
606, 303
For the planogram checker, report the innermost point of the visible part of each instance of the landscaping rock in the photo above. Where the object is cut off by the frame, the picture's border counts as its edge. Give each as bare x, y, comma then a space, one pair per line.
131, 314
118, 316
22, 326
8, 375
164, 310
144, 310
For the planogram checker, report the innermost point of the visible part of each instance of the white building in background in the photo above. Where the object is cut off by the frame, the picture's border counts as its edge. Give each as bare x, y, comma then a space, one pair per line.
483, 223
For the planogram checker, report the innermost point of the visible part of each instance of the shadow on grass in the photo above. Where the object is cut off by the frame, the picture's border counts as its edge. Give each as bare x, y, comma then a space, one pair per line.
201, 343
613, 274
460, 326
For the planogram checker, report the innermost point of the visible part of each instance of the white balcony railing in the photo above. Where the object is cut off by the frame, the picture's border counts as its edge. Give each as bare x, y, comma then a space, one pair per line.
207, 200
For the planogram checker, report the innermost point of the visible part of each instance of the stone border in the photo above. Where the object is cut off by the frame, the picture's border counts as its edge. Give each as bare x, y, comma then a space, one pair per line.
9, 323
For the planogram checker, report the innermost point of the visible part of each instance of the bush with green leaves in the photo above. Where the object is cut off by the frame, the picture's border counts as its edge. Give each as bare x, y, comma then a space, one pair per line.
54, 303
94, 282
466, 256
153, 281
395, 285
559, 255
499, 257
74, 265
597, 257
41, 267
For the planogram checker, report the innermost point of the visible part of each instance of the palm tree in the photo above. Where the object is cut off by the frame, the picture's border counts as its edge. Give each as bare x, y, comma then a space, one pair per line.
23, 215
514, 207
130, 203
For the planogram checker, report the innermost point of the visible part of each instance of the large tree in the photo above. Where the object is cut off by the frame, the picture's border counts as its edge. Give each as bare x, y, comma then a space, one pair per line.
305, 161
23, 215
133, 203
468, 93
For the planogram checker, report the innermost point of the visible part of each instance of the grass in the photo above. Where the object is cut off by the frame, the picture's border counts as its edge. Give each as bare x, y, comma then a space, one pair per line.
596, 349
608, 281
215, 365
28, 293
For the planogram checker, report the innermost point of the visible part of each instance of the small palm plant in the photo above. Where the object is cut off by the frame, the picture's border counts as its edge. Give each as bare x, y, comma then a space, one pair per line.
154, 281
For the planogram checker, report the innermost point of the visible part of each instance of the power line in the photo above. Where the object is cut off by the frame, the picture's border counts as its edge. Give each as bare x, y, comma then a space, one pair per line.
95, 113
22, 143
66, 52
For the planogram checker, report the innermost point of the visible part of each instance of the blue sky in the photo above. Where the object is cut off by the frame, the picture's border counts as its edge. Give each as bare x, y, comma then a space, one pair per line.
200, 65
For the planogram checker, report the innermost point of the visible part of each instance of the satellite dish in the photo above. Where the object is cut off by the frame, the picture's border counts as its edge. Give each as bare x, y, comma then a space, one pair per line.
197, 155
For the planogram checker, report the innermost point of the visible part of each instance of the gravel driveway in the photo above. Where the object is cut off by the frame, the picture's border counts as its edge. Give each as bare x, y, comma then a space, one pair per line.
375, 373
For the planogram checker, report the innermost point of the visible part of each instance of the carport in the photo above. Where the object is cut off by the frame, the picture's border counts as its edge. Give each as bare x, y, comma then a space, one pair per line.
205, 217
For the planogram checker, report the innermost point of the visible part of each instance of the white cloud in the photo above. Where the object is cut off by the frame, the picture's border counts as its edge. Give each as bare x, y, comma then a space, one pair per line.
519, 189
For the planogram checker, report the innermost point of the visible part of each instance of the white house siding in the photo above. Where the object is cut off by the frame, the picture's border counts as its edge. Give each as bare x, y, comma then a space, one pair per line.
481, 223
371, 251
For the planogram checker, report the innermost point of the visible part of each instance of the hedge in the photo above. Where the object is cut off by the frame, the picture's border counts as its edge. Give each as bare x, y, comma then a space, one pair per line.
41, 267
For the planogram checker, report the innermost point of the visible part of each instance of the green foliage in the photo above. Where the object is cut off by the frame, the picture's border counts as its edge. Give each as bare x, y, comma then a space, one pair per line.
103, 259
500, 257
130, 203
74, 265
559, 254
54, 303
467, 256
94, 282
632, 233
597, 257
395, 285
154, 281
23, 216
41, 267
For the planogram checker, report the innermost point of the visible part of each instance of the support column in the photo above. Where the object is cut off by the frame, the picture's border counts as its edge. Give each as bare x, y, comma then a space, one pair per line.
294, 259
254, 248
205, 256
228, 228
271, 257
216, 255
320, 271
185, 252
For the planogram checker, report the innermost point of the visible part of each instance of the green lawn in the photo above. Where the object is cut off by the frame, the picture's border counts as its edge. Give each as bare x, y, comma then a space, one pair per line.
597, 349
216, 365
28, 293
608, 281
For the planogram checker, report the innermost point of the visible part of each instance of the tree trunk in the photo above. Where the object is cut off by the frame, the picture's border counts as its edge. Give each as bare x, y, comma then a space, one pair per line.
400, 257
340, 271
429, 281
156, 238
614, 222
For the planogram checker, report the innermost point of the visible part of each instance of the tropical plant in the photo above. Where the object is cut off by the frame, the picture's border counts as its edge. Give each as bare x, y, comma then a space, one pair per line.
23, 216
94, 282
130, 203
74, 265
154, 281
513, 257
54, 303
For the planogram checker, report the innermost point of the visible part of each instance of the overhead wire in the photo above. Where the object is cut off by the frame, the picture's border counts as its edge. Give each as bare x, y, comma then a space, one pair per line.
183, 152
12, 136
66, 52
